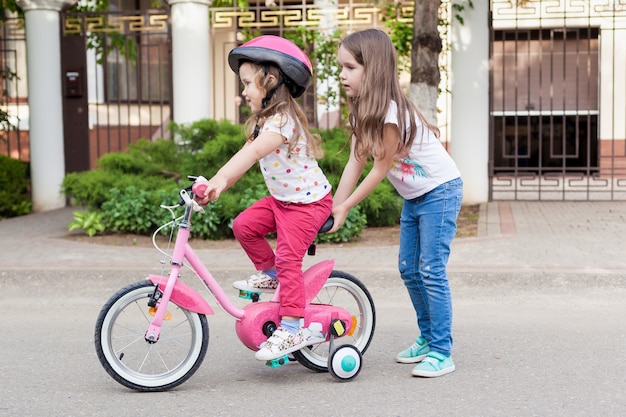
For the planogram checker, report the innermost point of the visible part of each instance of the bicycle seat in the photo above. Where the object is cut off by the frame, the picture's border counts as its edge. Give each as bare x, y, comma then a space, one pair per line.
327, 225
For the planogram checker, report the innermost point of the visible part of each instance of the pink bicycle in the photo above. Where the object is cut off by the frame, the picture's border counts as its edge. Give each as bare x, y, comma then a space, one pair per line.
153, 335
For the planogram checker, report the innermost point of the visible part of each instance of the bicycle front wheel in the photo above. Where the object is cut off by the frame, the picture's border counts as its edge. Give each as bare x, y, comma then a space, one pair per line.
135, 363
343, 290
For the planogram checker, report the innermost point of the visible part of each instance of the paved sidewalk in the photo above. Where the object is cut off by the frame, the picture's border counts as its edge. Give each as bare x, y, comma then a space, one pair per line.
581, 237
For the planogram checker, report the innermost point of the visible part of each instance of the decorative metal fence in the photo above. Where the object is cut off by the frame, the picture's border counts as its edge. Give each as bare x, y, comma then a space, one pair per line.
557, 101
128, 71
558, 130
13, 90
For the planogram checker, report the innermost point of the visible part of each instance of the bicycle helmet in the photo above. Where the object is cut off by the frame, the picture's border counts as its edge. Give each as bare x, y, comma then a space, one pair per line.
269, 49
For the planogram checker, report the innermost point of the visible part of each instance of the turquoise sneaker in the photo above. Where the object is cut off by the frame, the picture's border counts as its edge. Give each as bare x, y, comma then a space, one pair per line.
434, 364
415, 353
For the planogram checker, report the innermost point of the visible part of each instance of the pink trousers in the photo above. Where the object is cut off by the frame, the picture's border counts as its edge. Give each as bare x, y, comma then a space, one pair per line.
296, 226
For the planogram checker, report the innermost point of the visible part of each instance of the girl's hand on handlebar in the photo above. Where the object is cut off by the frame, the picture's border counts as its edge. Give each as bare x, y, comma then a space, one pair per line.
339, 215
199, 189
206, 191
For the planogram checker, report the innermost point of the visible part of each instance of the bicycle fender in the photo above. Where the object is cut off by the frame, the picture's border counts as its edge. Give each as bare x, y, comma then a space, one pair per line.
184, 296
315, 277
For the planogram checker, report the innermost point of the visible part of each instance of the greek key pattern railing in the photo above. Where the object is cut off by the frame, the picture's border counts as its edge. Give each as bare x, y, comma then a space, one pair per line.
341, 16
536, 10
76, 25
228, 18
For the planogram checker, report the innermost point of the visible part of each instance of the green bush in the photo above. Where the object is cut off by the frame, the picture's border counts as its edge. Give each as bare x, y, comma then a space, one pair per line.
383, 206
138, 211
197, 134
93, 188
89, 222
133, 210
128, 187
15, 197
146, 158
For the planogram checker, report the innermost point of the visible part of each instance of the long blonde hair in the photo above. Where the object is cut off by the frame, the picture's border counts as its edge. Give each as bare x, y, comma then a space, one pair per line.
283, 103
373, 49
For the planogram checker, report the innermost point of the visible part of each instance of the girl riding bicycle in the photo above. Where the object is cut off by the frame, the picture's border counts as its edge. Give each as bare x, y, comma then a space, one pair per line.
274, 72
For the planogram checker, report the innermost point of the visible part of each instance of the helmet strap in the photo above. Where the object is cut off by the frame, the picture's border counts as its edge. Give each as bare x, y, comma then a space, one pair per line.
257, 128
270, 93
266, 101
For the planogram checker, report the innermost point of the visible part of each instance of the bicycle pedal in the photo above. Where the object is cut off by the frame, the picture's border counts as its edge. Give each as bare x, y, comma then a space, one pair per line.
275, 363
250, 295
337, 327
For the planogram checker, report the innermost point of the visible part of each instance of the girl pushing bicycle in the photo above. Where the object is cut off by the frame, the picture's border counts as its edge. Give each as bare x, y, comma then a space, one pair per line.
274, 72
405, 148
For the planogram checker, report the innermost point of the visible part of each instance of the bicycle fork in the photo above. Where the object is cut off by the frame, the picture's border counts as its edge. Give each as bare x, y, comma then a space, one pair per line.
160, 300
154, 330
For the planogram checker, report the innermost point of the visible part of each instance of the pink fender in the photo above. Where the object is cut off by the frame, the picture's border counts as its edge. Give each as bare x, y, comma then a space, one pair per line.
315, 277
184, 296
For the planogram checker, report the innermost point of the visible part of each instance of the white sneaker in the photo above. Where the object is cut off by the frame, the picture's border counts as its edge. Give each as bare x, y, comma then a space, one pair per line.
258, 282
282, 342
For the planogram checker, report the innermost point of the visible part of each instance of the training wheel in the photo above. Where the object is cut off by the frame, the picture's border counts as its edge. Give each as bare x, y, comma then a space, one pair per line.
345, 363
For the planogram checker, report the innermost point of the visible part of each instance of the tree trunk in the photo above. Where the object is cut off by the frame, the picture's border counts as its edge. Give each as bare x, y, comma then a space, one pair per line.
426, 47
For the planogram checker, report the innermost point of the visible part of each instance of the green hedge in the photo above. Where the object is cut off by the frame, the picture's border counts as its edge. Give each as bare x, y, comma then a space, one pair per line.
15, 197
128, 187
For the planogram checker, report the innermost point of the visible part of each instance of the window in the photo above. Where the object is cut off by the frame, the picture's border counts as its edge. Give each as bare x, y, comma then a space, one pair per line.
545, 99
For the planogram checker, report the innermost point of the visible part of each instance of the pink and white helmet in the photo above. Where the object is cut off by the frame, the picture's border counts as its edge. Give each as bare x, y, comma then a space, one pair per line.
284, 54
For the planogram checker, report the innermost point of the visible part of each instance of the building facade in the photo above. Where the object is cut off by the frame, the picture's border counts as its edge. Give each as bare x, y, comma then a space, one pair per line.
550, 124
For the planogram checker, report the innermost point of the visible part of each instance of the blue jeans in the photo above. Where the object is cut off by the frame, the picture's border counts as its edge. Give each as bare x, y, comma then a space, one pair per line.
427, 227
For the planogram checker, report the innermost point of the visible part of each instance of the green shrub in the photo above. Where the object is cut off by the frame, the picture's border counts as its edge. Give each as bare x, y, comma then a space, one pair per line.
128, 187
89, 222
15, 198
93, 188
197, 134
132, 210
208, 225
383, 206
336, 152
138, 211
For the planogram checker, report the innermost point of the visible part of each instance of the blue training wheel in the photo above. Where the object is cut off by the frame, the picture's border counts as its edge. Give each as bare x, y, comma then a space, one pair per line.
344, 364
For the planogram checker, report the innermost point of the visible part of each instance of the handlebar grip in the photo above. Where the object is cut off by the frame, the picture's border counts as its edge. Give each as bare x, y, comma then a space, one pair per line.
328, 224
198, 190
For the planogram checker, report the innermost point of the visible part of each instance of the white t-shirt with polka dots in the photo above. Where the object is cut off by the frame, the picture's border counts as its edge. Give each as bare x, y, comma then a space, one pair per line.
296, 177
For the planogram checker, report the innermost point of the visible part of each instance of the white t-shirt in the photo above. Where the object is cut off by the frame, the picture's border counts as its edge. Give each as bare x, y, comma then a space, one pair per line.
296, 177
427, 166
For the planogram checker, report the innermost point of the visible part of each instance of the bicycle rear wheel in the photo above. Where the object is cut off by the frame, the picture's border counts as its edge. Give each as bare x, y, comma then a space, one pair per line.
130, 359
343, 290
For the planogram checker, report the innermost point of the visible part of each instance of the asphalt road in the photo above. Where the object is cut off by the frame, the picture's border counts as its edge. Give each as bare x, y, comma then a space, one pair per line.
539, 306
526, 344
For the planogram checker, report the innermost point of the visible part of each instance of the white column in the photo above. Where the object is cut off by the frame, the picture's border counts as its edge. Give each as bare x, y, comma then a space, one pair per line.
43, 55
470, 101
328, 110
190, 60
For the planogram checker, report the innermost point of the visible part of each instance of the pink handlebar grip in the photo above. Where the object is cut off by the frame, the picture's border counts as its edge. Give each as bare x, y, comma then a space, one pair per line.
198, 190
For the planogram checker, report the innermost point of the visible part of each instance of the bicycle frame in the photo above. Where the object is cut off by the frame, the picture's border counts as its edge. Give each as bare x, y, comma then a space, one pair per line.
251, 319
177, 337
